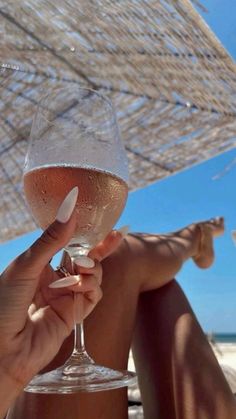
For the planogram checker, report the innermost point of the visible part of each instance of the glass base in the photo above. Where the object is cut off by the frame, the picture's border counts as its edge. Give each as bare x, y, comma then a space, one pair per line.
87, 378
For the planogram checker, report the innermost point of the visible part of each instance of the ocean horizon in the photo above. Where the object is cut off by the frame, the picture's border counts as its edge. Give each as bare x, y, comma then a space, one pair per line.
222, 337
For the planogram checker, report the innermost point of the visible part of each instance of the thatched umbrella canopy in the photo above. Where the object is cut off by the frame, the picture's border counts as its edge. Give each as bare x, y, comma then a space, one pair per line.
171, 81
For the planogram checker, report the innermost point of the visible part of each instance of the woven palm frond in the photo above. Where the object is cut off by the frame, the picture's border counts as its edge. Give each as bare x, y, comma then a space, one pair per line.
171, 81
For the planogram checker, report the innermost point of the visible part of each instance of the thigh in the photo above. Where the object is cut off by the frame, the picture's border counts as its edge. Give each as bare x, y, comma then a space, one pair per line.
178, 373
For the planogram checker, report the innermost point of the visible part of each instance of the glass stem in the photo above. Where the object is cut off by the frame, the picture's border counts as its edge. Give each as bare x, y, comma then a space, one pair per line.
79, 345
79, 355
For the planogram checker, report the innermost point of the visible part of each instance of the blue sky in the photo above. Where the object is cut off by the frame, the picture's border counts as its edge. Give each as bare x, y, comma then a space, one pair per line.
221, 19
190, 196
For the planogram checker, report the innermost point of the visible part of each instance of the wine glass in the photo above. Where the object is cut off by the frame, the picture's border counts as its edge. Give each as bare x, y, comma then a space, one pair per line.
75, 141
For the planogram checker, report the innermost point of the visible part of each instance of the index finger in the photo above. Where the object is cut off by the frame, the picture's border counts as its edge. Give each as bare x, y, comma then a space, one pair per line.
53, 239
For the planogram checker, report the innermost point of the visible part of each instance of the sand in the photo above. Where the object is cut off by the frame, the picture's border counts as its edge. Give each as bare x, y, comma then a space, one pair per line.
226, 356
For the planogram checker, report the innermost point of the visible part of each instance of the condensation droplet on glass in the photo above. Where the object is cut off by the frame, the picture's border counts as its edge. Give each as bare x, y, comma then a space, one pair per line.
105, 206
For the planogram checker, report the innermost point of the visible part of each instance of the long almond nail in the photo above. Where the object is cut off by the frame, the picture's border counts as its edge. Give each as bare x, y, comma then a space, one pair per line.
66, 208
84, 262
123, 230
65, 282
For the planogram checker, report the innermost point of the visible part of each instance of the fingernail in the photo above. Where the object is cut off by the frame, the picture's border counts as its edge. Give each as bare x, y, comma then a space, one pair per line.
66, 208
123, 230
65, 282
84, 262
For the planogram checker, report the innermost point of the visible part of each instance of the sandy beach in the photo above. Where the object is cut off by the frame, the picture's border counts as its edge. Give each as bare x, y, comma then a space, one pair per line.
225, 353
226, 356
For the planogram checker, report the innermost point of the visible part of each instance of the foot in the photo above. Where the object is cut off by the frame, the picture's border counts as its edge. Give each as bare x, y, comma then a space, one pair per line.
208, 231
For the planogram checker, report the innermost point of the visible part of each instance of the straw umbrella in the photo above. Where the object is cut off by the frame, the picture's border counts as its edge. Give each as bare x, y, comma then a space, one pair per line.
171, 81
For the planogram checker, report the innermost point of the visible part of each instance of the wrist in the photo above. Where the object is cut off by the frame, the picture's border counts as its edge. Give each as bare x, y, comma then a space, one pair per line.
9, 390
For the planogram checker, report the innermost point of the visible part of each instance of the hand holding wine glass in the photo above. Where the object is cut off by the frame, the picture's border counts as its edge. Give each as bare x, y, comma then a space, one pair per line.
36, 303
75, 142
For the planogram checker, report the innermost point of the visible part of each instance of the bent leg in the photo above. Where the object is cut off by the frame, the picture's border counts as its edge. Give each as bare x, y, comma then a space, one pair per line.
178, 373
141, 263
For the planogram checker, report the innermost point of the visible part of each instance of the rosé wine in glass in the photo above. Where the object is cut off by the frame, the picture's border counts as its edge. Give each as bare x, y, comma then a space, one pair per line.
101, 200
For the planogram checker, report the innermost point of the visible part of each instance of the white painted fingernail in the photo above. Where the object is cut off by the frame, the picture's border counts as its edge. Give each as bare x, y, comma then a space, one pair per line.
66, 208
123, 230
65, 282
84, 262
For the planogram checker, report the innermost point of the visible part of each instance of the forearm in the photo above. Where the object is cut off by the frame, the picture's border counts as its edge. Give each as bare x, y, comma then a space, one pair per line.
9, 391
154, 260
157, 259
160, 257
